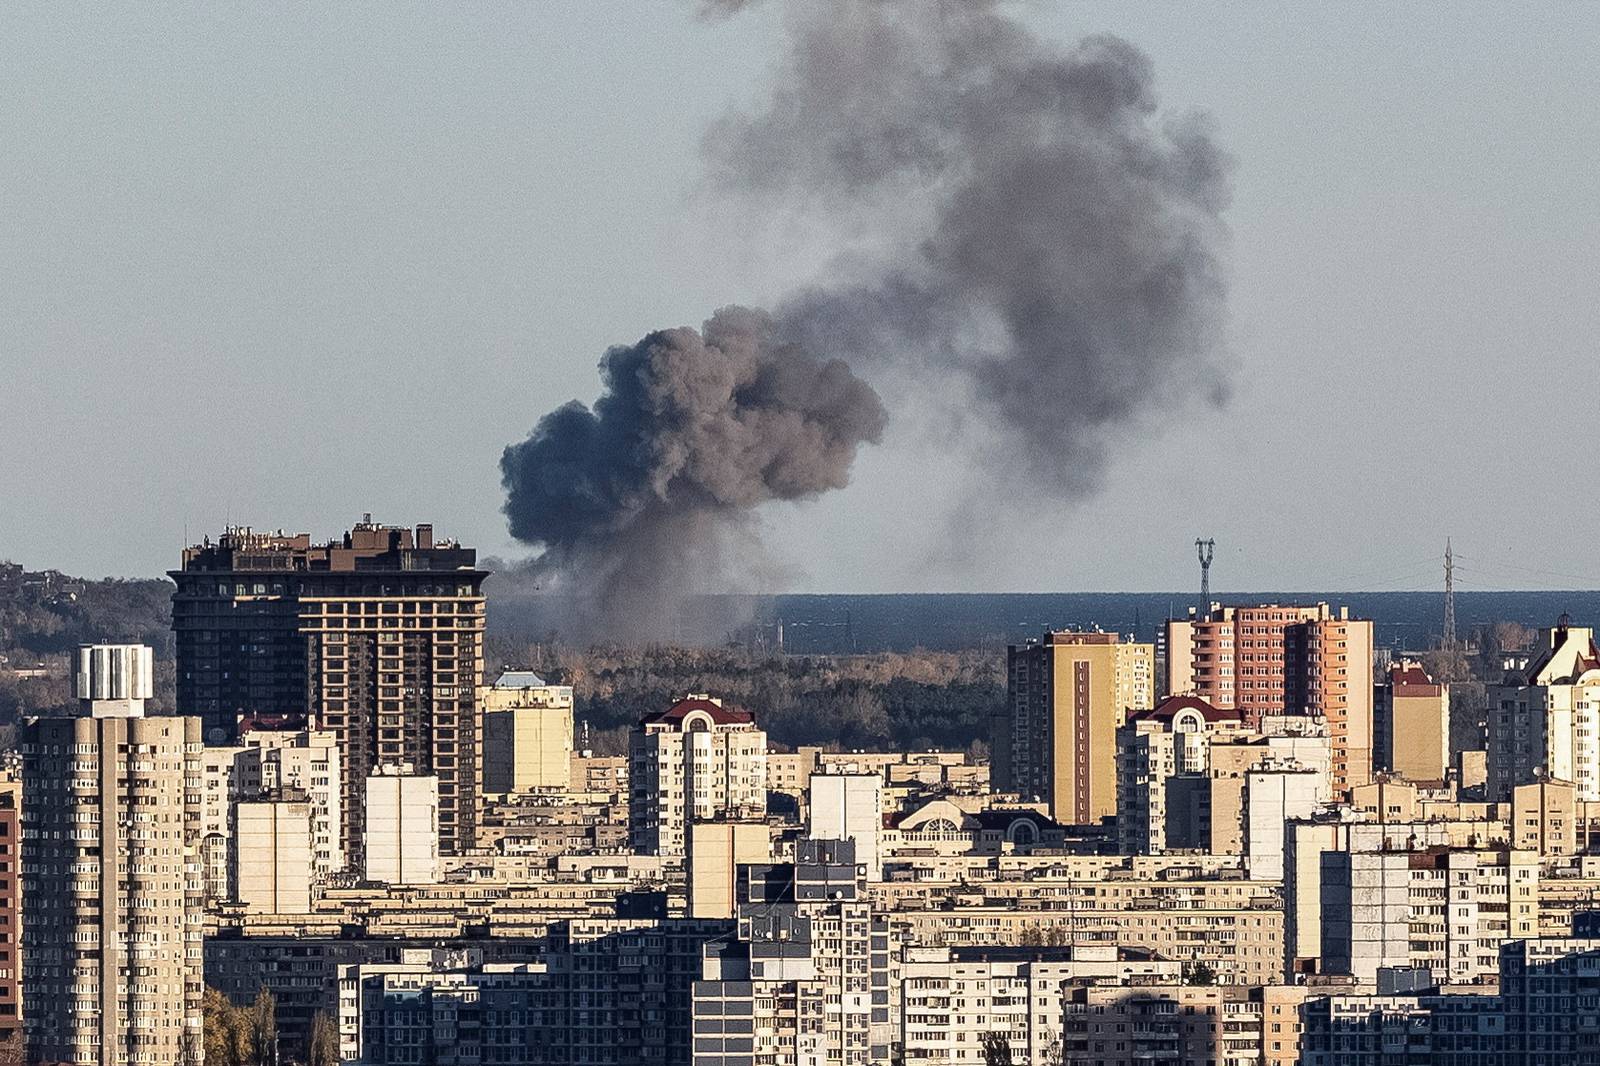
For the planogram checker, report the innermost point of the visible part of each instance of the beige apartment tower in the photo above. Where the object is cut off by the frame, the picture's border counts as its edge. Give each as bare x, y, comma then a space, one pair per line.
1067, 695
1273, 659
1412, 733
527, 734
112, 879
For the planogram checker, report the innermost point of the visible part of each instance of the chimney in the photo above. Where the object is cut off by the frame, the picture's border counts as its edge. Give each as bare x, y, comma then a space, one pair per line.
425, 535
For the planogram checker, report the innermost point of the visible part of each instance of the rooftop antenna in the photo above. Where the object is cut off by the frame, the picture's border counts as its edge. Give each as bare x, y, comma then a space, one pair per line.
1205, 549
1449, 641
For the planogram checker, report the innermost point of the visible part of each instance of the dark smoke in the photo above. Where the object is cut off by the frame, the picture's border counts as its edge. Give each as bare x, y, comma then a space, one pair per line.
1063, 252
651, 494
1027, 233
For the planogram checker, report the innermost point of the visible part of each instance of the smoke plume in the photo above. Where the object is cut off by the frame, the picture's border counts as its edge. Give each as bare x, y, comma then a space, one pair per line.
1022, 235
1035, 226
652, 493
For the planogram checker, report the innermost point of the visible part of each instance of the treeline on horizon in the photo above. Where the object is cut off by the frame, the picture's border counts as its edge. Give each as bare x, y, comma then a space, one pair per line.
913, 700
910, 700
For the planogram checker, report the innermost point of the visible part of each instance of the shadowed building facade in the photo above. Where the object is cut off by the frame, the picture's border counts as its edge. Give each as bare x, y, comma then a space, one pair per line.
376, 637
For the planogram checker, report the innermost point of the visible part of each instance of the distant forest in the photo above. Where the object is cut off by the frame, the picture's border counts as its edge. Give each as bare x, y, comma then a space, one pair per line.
908, 701
912, 700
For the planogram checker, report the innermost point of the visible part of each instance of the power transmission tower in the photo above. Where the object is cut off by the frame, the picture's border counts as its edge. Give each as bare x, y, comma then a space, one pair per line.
1449, 641
1205, 548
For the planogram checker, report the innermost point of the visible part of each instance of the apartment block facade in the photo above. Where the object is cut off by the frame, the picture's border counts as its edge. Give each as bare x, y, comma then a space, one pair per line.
1547, 724
1273, 659
112, 884
1067, 694
695, 761
376, 637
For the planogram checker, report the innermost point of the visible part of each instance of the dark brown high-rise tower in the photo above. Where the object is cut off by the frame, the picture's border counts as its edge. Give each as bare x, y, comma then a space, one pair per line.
377, 636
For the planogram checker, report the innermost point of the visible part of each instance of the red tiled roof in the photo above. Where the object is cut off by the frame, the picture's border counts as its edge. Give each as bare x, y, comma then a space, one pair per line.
1168, 709
683, 708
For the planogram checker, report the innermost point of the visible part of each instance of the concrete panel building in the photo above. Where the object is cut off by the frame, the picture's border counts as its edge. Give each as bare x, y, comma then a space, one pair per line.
1066, 696
402, 820
527, 730
1547, 726
112, 884
716, 850
1412, 734
273, 868
849, 807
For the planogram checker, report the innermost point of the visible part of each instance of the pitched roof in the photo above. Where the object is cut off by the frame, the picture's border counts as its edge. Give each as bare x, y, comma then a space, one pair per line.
1168, 709
685, 707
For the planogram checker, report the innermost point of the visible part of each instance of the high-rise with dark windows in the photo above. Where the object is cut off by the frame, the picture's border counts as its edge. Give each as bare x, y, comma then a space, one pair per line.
376, 636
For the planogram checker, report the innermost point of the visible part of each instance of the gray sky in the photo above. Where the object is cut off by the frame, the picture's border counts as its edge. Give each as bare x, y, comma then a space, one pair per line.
282, 267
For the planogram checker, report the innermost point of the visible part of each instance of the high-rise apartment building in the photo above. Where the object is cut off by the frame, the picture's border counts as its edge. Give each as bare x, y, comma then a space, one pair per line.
1154, 746
808, 979
1272, 660
10, 916
1548, 725
1411, 737
112, 884
272, 869
695, 761
376, 637
849, 807
272, 762
527, 734
1066, 696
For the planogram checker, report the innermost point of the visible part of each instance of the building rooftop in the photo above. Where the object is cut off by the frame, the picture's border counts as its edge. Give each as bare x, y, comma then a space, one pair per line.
689, 705
520, 679
366, 546
1168, 709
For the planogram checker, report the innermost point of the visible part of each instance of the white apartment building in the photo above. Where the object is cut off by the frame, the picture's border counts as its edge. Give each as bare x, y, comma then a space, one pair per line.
809, 978
402, 820
273, 867
267, 764
1153, 746
1443, 909
695, 761
1549, 726
849, 807
952, 999
302, 761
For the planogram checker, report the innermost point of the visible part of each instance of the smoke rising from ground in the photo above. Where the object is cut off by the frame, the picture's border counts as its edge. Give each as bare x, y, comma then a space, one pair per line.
652, 493
1020, 228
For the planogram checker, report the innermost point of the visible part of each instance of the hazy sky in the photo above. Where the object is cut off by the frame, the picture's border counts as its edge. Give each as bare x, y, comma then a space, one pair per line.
282, 266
